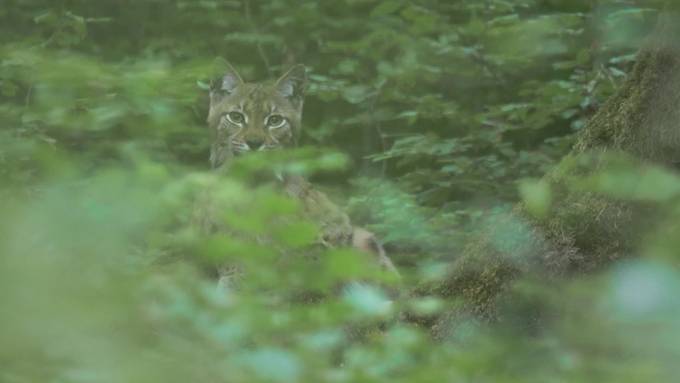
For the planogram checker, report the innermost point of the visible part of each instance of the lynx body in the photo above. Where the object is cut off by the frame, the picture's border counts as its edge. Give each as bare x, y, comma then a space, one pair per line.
247, 117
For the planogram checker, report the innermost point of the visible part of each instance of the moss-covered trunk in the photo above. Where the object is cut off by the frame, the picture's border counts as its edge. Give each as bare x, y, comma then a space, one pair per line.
584, 231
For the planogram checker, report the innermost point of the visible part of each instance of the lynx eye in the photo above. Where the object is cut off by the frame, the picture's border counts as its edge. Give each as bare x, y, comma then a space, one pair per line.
275, 121
236, 118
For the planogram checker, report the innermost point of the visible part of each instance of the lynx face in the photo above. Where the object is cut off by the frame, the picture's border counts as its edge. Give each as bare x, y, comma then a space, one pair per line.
246, 117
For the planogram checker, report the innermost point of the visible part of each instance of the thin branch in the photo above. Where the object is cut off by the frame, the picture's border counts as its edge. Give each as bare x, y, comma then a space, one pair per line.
29, 93
376, 124
256, 31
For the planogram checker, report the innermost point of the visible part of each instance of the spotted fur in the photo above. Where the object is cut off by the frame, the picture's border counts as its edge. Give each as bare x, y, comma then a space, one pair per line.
246, 117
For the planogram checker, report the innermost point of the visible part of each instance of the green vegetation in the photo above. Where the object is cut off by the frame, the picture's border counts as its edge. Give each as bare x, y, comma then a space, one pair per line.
517, 158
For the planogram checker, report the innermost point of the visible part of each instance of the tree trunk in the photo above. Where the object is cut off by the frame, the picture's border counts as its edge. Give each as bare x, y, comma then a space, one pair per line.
584, 231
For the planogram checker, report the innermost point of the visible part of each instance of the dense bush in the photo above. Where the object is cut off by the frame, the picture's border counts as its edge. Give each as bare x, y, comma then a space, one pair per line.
423, 118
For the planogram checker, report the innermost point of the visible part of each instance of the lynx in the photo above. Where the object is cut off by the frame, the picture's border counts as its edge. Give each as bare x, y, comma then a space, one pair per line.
247, 117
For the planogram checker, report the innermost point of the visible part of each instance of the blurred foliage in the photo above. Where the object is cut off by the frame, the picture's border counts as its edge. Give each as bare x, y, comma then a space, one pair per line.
441, 108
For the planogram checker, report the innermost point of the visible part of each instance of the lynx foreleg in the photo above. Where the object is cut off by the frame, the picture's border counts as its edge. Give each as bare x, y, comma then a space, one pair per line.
367, 242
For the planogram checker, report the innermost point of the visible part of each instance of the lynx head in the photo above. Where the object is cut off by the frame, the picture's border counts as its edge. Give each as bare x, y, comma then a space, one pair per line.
246, 117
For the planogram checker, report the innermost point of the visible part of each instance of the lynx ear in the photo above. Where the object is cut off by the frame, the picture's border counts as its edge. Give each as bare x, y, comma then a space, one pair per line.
292, 84
228, 83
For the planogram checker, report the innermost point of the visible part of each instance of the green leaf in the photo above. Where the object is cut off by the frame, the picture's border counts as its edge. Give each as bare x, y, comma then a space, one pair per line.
537, 197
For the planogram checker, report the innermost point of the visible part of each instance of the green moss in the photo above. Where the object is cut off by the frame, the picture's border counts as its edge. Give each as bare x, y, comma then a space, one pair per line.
584, 231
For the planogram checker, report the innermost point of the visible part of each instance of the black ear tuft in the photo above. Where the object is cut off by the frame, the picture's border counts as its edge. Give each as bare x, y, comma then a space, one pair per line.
228, 83
292, 84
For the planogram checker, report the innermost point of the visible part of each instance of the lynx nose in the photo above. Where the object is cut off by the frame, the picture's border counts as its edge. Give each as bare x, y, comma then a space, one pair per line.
254, 143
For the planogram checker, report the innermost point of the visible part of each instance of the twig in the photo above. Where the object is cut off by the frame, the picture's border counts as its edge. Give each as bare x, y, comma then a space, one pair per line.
256, 31
27, 102
378, 128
